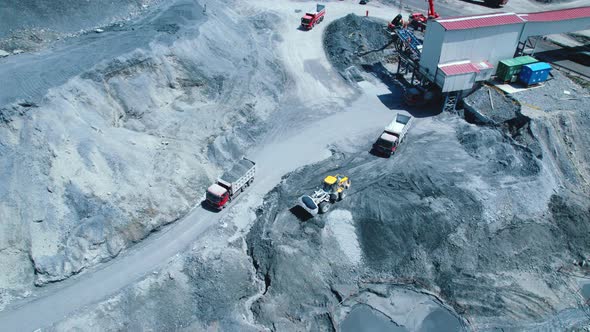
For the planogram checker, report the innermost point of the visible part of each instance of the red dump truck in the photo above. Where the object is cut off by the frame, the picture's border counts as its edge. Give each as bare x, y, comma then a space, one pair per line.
231, 184
309, 20
392, 135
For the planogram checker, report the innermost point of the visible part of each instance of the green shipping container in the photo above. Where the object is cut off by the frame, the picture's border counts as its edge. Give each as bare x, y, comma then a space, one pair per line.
509, 68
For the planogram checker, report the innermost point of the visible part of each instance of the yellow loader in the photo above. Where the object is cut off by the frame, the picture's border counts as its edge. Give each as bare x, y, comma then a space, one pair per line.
333, 189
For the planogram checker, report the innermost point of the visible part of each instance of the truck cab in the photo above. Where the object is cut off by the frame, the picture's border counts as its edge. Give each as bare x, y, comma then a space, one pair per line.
386, 144
217, 196
306, 21
231, 183
392, 135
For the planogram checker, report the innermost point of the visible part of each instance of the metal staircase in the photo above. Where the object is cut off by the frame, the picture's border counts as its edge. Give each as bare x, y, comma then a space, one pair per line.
451, 100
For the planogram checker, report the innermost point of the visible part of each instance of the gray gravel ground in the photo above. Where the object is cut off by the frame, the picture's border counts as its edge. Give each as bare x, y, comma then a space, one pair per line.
461, 211
203, 289
465, 239
555, 120
487, 217
557, 94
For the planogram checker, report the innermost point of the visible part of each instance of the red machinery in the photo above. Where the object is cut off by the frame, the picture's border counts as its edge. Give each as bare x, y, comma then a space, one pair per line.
309, 20
418, 20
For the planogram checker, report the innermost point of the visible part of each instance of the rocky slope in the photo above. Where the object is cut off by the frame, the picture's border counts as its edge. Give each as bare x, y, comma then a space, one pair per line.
121, 149
207, 288
32, 24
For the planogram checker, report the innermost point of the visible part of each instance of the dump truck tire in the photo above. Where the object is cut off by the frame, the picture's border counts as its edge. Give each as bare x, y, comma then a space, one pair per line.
324, 207
342, 195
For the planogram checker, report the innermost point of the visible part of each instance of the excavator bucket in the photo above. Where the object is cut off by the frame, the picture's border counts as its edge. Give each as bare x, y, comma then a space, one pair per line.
308, 204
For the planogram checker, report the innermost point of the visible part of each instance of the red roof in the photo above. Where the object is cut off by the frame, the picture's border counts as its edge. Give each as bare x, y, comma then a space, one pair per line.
557, 15
458, 69
479, 21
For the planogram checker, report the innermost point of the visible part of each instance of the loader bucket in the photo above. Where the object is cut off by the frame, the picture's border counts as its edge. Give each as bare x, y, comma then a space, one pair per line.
308, 204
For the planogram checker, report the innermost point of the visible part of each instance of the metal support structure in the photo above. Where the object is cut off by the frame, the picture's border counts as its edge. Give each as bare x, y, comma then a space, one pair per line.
527, 47
451, 99
406, 67
534, 42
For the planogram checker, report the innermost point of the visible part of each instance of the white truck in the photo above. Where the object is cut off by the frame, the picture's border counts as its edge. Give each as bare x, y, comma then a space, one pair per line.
393, 135
231, 183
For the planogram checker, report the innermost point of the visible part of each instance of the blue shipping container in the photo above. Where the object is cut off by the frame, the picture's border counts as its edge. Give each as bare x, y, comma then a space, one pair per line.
534, 73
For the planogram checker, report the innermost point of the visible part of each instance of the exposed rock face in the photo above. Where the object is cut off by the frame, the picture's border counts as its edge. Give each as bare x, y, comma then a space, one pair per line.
122, 148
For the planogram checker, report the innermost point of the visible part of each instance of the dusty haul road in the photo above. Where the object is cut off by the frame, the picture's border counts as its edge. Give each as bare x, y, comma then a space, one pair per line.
291, 145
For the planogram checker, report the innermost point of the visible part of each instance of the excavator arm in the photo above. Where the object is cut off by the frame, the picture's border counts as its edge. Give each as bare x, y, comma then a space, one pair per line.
431, 12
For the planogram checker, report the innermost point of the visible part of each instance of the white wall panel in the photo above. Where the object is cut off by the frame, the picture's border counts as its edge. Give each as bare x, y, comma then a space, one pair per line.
547, 28
433, 40
489, 43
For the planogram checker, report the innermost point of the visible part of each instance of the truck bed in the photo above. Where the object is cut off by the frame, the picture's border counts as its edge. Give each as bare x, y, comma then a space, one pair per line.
319, 9
239, 174
237, 171
399, 126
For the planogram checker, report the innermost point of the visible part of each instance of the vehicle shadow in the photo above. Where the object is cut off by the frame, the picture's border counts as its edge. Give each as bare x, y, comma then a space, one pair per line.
481, 3
300, 213
208, 207
395, 99
424, 111
576, 54
392, 100
378, 154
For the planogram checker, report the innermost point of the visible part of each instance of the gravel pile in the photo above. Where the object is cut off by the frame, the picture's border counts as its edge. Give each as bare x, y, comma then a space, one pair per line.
549, 115
557, 94
355, 40
488, 105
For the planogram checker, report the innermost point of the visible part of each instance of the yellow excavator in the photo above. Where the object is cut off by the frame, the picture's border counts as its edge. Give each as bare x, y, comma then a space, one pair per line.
334, 189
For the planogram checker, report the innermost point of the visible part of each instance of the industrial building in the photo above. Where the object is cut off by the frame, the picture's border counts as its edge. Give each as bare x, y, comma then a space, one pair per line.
460, 51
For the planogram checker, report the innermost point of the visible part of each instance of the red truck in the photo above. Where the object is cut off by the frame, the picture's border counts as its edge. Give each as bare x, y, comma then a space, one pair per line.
231, 184
309, 20
392, 135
